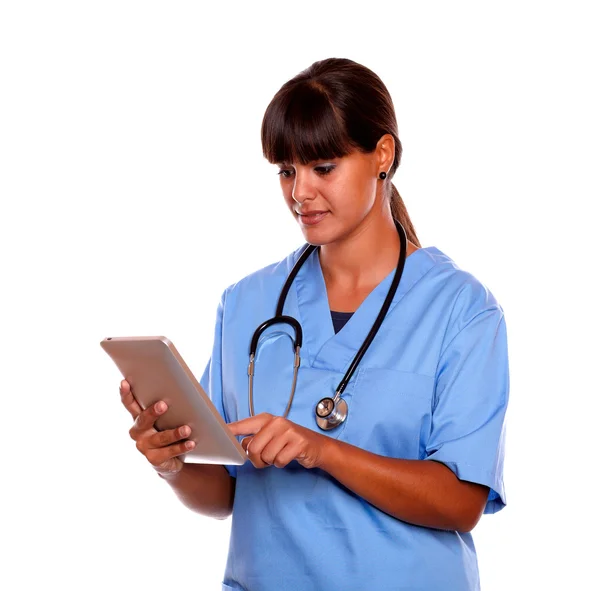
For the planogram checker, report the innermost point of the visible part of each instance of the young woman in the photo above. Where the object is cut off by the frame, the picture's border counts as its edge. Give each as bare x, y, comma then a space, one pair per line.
375, 448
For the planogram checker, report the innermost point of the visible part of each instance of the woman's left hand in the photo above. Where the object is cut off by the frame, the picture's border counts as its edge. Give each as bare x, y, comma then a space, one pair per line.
275, 441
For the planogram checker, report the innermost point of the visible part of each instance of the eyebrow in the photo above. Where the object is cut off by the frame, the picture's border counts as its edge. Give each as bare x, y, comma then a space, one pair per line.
311, 162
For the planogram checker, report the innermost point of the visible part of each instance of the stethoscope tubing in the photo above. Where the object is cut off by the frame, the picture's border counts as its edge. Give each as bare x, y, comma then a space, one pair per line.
280, 318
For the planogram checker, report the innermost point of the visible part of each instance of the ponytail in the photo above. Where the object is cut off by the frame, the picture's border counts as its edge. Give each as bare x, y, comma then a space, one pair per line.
400, 214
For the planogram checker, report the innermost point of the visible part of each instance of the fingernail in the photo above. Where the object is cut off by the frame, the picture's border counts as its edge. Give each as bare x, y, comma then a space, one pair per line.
189, 444
160, 406
185, 431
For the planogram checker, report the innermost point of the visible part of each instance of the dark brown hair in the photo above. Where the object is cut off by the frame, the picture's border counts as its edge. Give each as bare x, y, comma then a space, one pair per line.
332, 108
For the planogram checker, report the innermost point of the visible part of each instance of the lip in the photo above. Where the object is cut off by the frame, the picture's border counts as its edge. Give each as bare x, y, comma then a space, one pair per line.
311, 218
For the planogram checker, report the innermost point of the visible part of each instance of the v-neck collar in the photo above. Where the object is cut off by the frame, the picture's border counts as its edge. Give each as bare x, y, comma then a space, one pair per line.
322, 347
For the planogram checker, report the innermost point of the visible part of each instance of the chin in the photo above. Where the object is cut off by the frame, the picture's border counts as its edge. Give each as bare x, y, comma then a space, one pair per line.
318, 236
327, 231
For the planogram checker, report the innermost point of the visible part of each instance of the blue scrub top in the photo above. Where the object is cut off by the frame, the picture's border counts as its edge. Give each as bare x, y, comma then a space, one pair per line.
433, 385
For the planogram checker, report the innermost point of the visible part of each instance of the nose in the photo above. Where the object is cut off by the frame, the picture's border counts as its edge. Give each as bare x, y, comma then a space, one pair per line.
303, 189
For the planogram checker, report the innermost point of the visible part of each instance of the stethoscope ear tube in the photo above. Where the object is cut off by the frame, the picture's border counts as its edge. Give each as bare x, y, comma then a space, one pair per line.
277, 320
310, 248
384, 308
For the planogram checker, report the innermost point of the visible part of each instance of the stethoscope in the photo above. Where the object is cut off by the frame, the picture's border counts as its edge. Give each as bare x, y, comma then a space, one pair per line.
330, 412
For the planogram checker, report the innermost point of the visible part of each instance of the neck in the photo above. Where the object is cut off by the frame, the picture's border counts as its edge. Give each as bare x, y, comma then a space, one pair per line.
364, 258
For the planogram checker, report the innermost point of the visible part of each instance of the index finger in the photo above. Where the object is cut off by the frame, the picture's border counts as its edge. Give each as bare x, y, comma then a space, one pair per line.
128, 400
249, 426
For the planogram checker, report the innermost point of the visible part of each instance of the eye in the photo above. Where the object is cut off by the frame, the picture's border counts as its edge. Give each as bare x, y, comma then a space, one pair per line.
323, 170
320, 170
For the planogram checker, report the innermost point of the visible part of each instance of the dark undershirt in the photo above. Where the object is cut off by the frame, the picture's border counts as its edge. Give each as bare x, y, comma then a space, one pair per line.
339, 319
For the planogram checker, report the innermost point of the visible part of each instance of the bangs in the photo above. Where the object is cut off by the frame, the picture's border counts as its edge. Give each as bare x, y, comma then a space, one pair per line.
301, 125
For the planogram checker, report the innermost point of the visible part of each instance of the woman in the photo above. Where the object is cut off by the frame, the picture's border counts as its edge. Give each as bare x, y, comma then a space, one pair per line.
382, 491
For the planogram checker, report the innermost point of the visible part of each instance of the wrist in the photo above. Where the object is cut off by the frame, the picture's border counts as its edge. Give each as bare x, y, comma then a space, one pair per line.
329, 453
170, 475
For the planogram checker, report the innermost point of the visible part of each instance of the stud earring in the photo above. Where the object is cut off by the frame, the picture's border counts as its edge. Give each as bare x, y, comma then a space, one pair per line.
382, 175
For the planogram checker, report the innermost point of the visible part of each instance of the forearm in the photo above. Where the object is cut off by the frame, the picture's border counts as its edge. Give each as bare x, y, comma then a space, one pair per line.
204, 488
421, 492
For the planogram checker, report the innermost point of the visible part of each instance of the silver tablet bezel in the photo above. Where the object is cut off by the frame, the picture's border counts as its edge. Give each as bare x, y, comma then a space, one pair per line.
156, 371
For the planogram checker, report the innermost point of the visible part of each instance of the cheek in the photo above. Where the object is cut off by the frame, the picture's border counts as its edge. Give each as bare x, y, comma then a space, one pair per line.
350, 199
365, 195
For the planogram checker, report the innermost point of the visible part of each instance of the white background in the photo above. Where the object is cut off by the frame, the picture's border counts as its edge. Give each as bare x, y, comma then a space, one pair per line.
134, 191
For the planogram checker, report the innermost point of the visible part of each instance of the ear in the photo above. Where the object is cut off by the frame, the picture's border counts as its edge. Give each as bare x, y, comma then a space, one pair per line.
385, 152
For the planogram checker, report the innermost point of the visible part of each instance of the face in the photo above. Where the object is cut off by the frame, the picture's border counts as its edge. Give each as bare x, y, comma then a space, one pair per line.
333, 199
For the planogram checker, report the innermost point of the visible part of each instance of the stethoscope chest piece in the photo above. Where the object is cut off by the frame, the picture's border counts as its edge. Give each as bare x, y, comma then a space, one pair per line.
331, 413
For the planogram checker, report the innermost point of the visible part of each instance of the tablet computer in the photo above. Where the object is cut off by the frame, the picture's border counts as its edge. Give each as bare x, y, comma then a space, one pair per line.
156, 371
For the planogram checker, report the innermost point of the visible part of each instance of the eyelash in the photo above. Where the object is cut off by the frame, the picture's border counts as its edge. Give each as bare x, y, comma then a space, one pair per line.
325, 171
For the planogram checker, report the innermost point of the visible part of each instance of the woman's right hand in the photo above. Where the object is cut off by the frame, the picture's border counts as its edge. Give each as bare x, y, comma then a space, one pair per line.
161, 448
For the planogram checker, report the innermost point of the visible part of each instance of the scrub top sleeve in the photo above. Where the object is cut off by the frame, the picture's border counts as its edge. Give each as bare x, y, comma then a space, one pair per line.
471, 396
211, 380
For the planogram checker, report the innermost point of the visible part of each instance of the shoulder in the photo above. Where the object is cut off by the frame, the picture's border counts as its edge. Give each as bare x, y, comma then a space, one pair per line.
263, 281
464, 296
